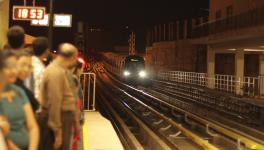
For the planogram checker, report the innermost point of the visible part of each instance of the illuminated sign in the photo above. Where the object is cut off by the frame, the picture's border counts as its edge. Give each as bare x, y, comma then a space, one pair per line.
28, 13
43, 22
62, 20
59, 20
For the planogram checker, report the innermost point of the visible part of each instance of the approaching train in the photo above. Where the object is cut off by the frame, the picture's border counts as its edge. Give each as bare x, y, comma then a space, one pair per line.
129, 68
133, 69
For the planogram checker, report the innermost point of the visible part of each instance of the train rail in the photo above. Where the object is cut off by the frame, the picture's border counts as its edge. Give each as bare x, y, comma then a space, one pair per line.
236, 119
138, 135
177, 136
219, 132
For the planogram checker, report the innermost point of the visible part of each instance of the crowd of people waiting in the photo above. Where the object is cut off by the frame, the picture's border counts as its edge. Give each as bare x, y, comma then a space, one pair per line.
39, 104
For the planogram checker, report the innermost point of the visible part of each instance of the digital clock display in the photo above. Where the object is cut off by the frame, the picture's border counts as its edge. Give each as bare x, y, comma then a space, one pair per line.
28, 13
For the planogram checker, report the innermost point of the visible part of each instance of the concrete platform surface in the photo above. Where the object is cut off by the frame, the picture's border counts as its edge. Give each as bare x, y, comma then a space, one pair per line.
99, 134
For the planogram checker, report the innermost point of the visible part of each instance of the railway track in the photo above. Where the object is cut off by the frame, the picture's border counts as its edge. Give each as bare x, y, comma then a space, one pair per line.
137, 135
178, 94
219, 135
175, 135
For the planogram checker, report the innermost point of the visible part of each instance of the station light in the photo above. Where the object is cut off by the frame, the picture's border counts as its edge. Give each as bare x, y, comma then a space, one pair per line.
254, 50
248, 50
231, 49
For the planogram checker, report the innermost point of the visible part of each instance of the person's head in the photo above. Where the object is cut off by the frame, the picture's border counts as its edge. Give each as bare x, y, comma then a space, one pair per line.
68, 54
41, 47
10, 60
2, 75
16, 37
78, 69
24, 64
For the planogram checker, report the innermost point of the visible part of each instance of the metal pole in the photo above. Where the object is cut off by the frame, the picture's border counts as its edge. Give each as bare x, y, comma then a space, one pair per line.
94, 88
89, 88
50, 33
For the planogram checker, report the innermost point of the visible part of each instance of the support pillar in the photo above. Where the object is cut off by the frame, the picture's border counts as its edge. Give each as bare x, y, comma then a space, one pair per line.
4, 19
239, 71
155, 33
185, 29
160, 32
210, 68
178, 30
261, 74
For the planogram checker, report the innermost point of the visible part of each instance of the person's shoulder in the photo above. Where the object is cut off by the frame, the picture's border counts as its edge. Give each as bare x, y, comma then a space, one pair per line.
16, 88
53, 70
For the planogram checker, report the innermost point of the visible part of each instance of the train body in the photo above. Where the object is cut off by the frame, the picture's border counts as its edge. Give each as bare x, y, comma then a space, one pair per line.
133, 69
129, 68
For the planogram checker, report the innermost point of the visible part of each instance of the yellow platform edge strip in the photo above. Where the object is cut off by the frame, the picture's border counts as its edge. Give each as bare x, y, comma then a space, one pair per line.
85, 135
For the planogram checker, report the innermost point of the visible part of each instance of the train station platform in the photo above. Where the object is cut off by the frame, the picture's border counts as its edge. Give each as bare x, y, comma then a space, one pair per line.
99, 134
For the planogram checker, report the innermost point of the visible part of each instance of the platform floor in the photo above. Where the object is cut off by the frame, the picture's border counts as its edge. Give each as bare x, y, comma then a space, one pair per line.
99, 134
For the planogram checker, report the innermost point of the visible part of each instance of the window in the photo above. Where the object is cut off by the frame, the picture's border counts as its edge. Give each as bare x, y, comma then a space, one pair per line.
218, 15
229, 11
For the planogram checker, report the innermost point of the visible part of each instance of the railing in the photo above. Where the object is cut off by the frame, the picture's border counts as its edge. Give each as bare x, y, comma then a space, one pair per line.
225, 83
88, 81
250, 18
250, 86
185, 77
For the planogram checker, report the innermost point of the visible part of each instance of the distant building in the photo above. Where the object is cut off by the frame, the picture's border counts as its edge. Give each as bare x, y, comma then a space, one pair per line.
234, 38
228, 46
169, 47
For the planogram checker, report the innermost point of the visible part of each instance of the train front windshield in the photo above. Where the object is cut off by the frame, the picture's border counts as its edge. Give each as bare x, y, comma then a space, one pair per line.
135, 64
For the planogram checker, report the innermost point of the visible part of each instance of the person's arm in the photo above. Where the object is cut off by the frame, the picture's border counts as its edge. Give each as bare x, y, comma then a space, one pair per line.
31, 124
12, 146
38, 76
32, 127
4, 125
3, 144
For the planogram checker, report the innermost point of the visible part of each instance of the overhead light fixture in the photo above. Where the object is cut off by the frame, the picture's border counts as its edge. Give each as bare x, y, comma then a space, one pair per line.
254, 50
248, 50
231, 49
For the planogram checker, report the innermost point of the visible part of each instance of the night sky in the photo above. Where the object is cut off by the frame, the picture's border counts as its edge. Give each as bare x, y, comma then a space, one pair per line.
115, 15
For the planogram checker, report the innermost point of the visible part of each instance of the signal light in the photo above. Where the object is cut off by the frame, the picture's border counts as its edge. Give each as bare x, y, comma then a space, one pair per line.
81, 60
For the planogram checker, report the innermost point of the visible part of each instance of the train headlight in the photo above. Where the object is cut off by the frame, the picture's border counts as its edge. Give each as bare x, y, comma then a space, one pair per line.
126, 73
142, 74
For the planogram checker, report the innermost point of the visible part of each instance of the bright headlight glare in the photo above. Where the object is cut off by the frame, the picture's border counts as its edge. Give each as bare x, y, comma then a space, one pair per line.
126, 73
142, 74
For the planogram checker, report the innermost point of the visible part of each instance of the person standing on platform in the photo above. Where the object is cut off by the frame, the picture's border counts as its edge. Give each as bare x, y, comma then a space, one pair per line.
15, 38
57, 98
41, 51
24, 71
14, 104
76, 86
4, 125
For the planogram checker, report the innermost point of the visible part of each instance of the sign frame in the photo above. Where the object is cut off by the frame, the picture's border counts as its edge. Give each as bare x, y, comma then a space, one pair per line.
27, 7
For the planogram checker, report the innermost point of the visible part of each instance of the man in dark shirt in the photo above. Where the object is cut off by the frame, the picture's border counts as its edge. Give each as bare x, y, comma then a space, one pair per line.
16, 38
